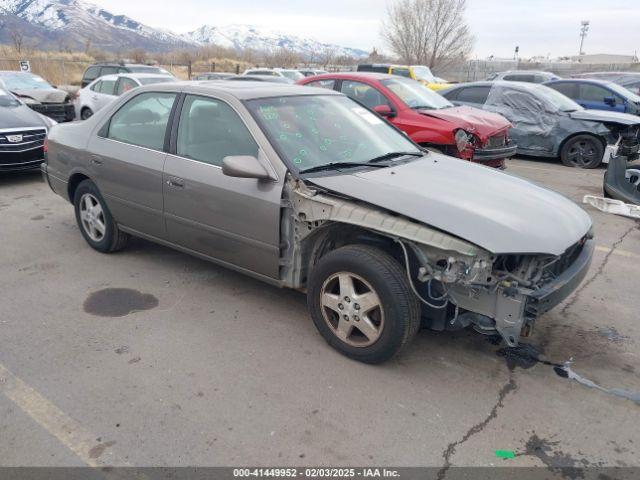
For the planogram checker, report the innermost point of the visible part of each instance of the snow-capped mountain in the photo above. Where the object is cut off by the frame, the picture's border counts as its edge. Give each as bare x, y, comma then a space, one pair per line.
75, 22
49, 24
242, 37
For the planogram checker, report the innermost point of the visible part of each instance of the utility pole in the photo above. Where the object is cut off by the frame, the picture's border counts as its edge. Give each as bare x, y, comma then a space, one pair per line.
583, 34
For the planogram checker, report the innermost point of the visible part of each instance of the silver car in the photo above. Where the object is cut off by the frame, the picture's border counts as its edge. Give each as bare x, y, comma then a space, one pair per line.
306, 189
107, 88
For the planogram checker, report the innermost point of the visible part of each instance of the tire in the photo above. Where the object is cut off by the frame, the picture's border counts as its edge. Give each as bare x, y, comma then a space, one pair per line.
85, 113
367, 275
95, 220
582, 151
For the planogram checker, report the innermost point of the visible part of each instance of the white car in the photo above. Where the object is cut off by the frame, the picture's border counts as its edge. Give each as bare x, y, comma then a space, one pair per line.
104, 90
293, 75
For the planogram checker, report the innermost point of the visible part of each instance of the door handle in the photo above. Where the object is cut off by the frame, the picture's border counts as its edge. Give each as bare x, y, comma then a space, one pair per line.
175, 182
95, 160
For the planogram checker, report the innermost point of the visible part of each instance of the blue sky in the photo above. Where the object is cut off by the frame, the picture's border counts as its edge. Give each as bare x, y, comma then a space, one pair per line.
539, 27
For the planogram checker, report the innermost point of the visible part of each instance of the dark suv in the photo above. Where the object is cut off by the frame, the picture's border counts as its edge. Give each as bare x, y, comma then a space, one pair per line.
98, 70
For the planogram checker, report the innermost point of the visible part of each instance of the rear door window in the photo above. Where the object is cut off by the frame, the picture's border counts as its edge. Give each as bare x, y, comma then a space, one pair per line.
594, 93
107, 87
476, 95
96, 87
566, 88
143, 120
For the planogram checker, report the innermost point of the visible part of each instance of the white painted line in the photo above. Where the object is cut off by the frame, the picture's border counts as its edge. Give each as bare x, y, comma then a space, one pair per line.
67, 430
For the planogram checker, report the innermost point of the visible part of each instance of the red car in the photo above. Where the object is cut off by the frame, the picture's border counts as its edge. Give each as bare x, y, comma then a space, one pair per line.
428, 118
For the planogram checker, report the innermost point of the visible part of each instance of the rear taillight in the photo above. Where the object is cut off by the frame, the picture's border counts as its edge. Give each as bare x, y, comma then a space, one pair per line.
45, 147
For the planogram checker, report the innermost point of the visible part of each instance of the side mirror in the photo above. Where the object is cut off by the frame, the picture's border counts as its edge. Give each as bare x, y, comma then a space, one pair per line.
244, 166
383, 110
611, 101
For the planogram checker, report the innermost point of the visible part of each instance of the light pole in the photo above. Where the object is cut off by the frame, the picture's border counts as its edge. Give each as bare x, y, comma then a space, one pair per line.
583, 33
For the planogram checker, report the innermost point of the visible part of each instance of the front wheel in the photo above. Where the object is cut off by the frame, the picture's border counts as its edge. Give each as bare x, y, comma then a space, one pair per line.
362, 304
94, 219
582, 151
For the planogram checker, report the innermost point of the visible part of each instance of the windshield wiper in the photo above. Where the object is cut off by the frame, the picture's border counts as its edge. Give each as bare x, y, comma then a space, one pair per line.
337, 165
391, 155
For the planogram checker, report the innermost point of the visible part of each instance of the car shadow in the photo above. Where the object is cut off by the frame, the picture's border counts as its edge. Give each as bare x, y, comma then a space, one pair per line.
20, 178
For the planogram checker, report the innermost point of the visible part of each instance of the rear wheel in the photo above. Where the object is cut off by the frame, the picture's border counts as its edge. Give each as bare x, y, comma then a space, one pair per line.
95, 221
582, 151
361, 302
85, 113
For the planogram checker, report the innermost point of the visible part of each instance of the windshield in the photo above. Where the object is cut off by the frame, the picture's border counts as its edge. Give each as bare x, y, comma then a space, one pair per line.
24, 81
292, 74
416, 95
150, 80
313, 130
8, 100
424, 73
624, 93
557, 99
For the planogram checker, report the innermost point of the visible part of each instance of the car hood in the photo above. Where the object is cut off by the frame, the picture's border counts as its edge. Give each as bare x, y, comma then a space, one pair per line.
498, 212
19, 117
479, 122
42, 96
606, 116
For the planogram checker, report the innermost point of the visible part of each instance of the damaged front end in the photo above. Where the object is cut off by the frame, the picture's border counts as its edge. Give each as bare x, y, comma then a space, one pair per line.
458, 283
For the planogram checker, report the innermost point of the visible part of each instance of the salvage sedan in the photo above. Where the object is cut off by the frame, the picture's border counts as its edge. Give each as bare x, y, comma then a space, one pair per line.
304, 188
38, 95
546, 123
429, 119
22, 134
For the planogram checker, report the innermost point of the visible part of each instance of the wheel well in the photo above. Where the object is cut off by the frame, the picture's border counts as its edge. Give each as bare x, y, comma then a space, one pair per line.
74, 181
573, 135
339, 235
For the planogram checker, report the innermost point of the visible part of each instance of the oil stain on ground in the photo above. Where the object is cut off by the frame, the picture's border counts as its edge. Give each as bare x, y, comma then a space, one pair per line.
118, 302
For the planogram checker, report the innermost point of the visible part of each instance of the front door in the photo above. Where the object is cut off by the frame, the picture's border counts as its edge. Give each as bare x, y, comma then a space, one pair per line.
234, 220
127, 160
599, 98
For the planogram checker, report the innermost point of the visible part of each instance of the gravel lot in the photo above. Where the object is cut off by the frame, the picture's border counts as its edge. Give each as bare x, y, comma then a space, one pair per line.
204, 366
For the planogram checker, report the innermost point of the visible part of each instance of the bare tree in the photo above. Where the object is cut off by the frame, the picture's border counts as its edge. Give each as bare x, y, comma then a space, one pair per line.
327, 56
138, 55
17, 39
428, 32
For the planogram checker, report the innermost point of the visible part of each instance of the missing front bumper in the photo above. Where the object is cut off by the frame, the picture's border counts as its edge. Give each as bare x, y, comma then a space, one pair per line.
513, 309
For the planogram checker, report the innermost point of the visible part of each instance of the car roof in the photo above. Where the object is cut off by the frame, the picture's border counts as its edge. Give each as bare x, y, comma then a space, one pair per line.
595, 81
246, 90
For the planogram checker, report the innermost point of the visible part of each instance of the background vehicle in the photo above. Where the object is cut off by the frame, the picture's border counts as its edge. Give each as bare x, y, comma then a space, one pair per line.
419, 73
529, 76
370, 223
98, 70
39, 95
293, 75
546, 123
598, 95
425, 116
310, 72
213, 76
22, 134
629, 80
261, 78
104, 90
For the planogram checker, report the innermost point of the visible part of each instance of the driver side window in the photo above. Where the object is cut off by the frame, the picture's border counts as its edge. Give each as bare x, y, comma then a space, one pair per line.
210, 130
365, 94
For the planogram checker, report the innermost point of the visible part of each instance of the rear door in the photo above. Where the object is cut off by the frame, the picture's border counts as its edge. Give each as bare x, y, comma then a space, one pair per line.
128, 157
233, 220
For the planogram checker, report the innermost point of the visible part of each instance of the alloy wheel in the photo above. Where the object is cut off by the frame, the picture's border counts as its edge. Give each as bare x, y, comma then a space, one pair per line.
92, 217
583, 152
352, 309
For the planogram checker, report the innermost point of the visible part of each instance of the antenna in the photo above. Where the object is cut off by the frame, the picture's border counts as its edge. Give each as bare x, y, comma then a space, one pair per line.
584, 29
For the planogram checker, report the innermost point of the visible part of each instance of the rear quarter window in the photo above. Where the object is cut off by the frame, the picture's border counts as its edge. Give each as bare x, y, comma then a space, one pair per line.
477, 95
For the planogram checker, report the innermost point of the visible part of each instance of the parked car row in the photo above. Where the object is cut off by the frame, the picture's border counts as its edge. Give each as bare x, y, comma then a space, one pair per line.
307, 188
